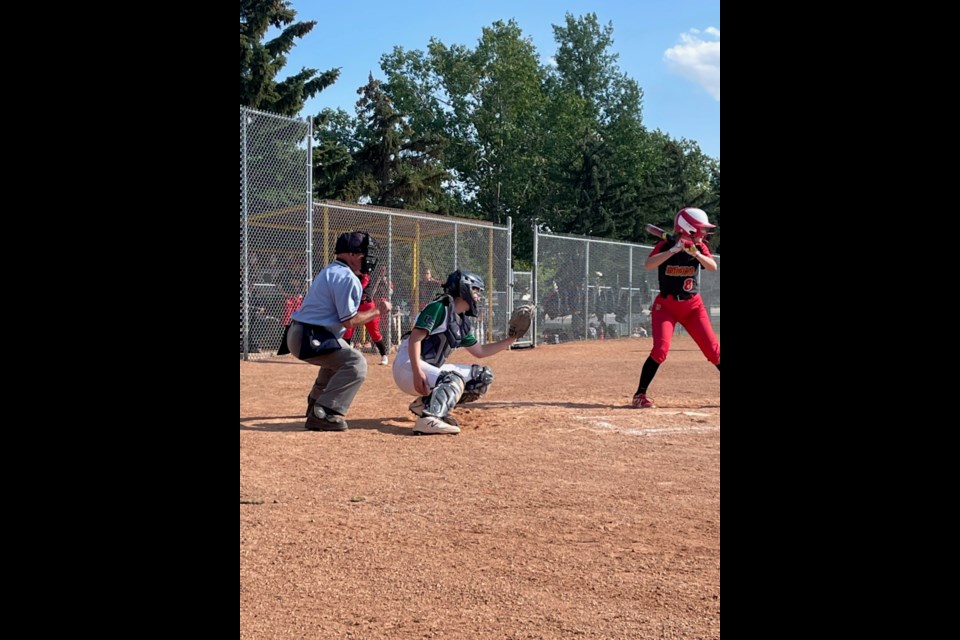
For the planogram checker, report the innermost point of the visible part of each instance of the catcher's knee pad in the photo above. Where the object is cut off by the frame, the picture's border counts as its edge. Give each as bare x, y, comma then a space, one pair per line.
483, 375
444, 396
472, 391
481, 378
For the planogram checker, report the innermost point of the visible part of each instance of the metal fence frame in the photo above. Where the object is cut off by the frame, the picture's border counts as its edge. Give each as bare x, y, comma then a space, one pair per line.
596, 309
410, 242
407, 243
522, 285
275, 179
278, 217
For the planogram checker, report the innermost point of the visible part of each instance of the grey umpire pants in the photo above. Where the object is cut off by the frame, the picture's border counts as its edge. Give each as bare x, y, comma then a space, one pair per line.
341, 373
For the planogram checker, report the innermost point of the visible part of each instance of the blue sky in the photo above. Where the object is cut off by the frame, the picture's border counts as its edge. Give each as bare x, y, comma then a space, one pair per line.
670, 47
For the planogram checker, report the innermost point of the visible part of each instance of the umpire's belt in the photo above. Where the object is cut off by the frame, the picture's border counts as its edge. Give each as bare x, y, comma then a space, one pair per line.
678, 296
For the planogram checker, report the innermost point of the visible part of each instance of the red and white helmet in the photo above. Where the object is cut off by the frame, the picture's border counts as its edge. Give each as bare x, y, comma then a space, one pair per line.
692, 224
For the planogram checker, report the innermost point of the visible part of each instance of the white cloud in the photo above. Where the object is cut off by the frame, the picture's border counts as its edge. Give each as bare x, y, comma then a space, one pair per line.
697, 59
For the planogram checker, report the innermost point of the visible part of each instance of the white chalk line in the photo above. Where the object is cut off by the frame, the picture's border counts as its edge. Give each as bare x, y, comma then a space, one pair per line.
598, 422
658, 412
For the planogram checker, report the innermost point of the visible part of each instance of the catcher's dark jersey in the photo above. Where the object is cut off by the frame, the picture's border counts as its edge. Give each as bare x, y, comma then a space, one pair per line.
446, 328
679, 273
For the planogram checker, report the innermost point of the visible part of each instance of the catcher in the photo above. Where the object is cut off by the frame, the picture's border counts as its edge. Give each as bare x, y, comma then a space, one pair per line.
441, 327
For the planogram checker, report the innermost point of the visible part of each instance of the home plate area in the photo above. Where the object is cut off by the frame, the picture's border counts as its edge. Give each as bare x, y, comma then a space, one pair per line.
654, 422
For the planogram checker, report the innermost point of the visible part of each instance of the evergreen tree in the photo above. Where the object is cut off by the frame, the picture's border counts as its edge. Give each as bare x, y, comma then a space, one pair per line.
334, 144
393, 166
261, 61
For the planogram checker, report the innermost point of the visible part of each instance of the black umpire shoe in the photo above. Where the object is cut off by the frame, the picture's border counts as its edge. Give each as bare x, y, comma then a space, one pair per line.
323, 421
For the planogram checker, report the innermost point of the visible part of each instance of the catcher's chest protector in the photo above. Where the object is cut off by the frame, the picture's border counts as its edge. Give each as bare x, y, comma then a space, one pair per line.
445, 337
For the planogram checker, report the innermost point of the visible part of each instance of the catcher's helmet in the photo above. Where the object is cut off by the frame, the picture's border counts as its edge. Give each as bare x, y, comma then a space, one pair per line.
459, 283
692, 224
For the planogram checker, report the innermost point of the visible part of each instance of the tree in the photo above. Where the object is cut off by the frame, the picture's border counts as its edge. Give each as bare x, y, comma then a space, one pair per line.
488, 103
261, 61
711, 205
587, 68
393, 166
563, 145
680, 175
597, 146
335, 138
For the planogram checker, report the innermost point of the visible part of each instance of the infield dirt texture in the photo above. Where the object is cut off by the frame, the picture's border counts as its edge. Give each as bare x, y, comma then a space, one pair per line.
558, 512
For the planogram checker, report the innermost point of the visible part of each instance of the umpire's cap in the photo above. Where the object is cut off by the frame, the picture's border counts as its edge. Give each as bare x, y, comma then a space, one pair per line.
353, 242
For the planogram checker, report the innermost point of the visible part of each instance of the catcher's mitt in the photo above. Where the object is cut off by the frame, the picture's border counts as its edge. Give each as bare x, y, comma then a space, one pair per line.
520, 321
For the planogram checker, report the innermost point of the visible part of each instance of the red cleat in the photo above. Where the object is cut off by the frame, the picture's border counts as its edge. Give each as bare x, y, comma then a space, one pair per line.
641, 401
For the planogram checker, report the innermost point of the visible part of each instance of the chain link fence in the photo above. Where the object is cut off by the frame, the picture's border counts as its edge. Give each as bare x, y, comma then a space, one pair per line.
586, 288
285, 239
283, 242
523, 294
416, 253
589, 288
274, 200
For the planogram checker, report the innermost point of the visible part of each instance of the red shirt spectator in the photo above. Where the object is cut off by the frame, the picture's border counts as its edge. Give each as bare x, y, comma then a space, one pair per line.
293, 302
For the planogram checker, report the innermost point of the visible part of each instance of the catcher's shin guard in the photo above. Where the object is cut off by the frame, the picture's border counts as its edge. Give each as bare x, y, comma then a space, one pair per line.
445, 395
481, 378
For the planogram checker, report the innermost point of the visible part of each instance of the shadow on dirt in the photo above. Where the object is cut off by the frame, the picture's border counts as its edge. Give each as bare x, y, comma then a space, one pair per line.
383, 425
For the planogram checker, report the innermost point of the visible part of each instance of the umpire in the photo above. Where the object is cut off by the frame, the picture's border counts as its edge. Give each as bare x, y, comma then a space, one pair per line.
315, 333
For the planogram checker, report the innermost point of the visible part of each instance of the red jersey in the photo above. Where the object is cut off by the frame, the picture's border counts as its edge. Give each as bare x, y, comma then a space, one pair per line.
290, 305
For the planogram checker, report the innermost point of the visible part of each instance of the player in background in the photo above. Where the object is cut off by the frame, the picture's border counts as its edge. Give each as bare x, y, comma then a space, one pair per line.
679, 299
367, 303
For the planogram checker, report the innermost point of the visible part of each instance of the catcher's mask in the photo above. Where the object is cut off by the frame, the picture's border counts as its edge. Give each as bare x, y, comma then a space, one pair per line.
358, 242
692, 224
459, 285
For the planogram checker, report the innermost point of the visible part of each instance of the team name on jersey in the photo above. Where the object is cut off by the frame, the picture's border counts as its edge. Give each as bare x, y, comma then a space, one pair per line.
682, 272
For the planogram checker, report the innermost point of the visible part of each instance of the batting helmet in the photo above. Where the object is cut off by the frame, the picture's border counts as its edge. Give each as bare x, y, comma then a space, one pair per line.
692, 224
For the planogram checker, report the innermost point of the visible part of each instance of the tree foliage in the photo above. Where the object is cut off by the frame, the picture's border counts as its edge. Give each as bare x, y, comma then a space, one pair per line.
488, 131
376, 157
598, 141
261, 60
335, 143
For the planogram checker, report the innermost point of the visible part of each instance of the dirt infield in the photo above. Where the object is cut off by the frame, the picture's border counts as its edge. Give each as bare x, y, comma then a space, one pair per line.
558, 512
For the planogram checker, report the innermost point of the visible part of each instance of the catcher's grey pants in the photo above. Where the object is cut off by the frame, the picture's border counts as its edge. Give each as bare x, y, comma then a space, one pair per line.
341, 372
403, 375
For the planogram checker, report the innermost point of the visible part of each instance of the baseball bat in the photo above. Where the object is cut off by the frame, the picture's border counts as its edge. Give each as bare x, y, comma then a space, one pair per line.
657, 231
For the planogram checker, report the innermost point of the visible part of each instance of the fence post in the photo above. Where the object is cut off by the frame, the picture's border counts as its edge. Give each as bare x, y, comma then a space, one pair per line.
630, 294
533, 283
390, 336
511, 282
309, 224
246, 241
586, 290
